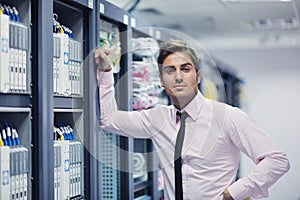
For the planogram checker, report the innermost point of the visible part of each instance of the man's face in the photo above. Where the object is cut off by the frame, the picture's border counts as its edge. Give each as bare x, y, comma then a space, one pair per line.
179, 77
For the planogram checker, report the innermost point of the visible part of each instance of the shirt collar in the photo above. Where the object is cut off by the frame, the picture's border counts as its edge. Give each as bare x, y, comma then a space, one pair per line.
193, 108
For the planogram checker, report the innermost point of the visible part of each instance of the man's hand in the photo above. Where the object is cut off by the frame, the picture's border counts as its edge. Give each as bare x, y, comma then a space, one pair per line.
227, 195
102, 58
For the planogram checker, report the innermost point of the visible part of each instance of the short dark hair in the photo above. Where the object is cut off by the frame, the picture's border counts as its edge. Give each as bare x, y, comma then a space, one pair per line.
172, 46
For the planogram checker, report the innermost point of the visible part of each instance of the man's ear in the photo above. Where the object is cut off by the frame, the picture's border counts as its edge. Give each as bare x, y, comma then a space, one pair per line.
198, 76
161, 81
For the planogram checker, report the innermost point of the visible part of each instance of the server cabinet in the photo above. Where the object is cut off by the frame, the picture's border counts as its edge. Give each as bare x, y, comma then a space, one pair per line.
15, 103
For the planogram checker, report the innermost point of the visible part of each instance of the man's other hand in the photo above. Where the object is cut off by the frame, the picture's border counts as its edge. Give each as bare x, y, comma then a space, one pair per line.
227, 195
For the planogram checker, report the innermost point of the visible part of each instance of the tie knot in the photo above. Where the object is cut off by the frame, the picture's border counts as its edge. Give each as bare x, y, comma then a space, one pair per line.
182, 115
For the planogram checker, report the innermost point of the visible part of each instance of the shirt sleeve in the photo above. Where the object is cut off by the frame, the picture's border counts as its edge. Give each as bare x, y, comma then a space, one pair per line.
270, 161
134, 124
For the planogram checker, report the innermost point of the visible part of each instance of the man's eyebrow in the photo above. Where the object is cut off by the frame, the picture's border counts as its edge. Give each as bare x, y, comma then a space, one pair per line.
168, 66
186, 64
182, 65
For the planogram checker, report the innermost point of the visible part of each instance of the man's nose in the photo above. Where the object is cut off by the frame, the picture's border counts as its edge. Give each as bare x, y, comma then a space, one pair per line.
178, 76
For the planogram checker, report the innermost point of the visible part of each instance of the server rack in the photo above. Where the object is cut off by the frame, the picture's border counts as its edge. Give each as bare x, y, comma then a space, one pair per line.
120, 185
233, 83
75, 108
15, 103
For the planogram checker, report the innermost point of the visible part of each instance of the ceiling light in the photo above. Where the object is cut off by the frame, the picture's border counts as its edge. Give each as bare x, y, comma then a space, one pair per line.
279, 23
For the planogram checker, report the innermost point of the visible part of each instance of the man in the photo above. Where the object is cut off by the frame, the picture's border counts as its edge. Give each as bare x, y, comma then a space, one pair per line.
214, 133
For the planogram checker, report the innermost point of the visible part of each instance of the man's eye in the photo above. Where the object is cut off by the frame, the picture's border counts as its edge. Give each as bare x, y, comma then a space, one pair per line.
170, 70
186, 69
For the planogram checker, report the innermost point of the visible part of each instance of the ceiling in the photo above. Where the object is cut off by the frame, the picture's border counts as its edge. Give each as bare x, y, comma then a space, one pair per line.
219, 24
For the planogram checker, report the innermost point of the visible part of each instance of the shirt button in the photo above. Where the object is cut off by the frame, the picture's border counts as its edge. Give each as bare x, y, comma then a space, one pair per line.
184, 161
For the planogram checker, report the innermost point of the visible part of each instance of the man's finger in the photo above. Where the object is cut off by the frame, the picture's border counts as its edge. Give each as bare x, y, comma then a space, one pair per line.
107, 51
101, 53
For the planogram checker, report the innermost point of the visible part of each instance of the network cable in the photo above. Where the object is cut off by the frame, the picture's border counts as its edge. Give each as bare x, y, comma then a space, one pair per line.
8, 134
1, 141
4, 136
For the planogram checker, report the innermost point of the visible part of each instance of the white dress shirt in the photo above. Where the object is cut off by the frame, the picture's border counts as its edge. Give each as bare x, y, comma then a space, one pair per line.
215, 134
